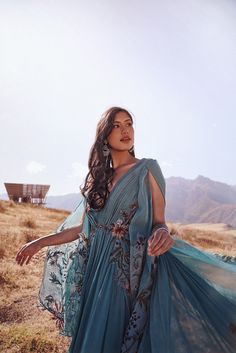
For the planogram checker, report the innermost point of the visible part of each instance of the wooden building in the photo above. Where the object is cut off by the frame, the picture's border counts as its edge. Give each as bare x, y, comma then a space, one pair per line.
31, 193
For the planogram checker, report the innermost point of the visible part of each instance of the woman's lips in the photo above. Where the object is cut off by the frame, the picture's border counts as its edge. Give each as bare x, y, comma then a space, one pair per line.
125, 140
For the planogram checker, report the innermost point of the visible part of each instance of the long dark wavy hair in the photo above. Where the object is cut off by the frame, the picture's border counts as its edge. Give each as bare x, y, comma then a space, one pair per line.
100, 174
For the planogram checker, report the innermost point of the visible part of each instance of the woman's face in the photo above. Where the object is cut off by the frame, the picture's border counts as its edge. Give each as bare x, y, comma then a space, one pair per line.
122, 135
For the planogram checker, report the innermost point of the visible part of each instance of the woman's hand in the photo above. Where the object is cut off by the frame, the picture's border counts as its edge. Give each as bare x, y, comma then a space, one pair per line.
159, 242
27, 251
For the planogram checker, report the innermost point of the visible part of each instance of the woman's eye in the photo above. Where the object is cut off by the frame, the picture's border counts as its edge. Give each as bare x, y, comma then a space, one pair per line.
117, 126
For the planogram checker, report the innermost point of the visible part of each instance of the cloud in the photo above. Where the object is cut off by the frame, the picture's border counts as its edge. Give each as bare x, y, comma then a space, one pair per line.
78, 171
35, 167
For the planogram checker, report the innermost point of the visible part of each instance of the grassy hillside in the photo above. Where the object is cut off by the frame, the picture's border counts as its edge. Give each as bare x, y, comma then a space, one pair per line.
217, 238
24, 328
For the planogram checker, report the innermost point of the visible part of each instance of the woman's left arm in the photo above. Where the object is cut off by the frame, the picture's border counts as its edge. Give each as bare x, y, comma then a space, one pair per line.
160, 240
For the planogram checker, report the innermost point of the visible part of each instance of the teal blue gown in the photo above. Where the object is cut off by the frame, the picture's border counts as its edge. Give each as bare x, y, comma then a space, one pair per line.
110, 296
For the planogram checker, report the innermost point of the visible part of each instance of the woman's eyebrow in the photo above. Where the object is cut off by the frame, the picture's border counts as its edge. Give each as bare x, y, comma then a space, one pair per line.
117, 121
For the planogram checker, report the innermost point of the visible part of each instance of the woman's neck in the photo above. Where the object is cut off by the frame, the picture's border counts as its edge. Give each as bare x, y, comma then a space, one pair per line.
120, 159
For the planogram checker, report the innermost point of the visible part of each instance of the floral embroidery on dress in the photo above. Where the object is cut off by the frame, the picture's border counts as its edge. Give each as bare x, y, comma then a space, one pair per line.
129, 259
120, 228
137, 322
66, 271
120, 254
56, 311
137, 253
138, 318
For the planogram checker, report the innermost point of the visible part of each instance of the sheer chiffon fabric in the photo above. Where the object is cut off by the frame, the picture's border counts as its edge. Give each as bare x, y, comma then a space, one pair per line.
112, 297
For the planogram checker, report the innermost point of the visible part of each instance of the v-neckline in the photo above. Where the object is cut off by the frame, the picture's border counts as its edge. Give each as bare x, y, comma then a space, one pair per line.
124, 175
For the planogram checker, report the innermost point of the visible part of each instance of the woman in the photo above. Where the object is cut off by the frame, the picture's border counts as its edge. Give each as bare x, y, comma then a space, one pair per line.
115, 279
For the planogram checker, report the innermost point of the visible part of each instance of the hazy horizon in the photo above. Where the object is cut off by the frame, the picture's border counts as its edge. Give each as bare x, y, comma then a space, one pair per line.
78, 191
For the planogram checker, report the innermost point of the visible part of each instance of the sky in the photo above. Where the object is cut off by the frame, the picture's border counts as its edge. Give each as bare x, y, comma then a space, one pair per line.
171, 63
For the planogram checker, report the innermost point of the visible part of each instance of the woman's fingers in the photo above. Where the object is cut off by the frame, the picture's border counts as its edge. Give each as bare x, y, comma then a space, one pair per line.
25, 259
28, 260
22, 255
27, 252
162, 248
18, 255
150, 240
156, 238
21, 260
20, 252
159, 243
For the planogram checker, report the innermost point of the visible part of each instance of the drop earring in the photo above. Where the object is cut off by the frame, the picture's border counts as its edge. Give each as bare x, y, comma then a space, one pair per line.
105, 150
131, 150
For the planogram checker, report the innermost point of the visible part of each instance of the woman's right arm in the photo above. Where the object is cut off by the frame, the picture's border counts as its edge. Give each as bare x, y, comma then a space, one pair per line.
28, 250
65, 236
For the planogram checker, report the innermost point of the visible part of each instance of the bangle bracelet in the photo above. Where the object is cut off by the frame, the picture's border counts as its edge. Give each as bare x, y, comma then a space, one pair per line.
159, 226
162, 228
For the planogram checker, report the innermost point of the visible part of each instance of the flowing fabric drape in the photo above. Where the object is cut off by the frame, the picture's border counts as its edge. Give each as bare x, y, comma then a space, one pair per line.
112, 297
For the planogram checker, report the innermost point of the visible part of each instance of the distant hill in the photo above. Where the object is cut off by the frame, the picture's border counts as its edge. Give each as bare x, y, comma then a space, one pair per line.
62, 202
200, 200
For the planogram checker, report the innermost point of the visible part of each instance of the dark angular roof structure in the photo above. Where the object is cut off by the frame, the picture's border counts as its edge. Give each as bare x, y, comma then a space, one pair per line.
32, 193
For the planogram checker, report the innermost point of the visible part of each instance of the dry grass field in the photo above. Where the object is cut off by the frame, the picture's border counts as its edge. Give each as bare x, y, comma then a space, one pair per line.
218, 238
23, 327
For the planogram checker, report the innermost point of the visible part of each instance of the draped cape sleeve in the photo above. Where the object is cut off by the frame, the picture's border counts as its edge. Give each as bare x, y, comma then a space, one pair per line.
192, 293
62, 279
185, 299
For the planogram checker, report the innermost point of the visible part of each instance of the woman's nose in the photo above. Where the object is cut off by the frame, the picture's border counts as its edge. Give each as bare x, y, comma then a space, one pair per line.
124, 130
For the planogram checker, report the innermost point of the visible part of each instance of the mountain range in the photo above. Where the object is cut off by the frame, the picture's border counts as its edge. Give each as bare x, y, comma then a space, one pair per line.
199, 200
